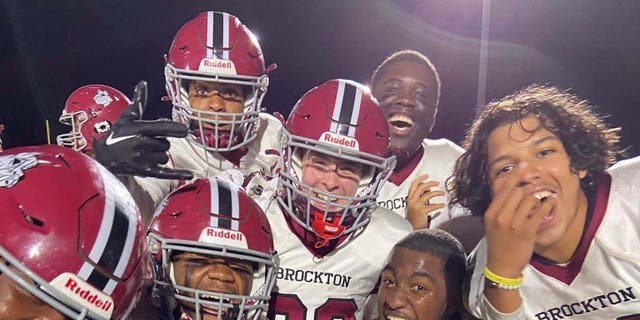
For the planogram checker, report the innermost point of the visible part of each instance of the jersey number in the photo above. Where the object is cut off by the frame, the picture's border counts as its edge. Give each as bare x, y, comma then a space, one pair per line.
289, 307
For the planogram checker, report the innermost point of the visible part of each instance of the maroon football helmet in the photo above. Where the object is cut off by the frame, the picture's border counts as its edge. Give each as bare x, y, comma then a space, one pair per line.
90, 111
213, 217
216, 47
339, 118
83, 253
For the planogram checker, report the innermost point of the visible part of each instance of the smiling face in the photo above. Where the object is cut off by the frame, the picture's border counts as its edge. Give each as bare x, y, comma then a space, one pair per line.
408, 94
213, 274
331, 175
528, 152
413, 286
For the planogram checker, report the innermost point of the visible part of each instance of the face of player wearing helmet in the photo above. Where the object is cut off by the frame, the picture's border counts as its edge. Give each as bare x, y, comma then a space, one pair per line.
210, 273
335, 149
90, 111
213, 251
332, 175
217, 51
79, 256
18, 303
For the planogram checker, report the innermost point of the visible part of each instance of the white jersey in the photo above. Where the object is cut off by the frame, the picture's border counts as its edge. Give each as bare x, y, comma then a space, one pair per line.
602, 280
262, 156
438, 161
334, 286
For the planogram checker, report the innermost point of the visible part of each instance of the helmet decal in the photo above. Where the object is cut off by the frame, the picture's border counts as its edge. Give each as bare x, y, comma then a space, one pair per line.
12, 167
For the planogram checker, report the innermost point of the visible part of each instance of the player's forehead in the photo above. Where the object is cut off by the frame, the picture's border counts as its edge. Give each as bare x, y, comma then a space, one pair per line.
213, 85
317, 155
191, 256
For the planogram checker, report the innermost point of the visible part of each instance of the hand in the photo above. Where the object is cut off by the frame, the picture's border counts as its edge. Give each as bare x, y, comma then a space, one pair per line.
419, 205
511, 223
138, 147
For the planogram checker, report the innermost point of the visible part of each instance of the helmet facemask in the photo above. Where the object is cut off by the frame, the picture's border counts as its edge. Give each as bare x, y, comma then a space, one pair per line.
73, 139
332, 215
216, 131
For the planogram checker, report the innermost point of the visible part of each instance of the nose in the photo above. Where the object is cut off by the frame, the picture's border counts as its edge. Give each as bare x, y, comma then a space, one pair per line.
216, 103
220, 272
396, 298
330, 181
404, 98
529, 173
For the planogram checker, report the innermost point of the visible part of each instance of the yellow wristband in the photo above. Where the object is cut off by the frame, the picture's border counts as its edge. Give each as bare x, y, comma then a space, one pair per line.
501, 280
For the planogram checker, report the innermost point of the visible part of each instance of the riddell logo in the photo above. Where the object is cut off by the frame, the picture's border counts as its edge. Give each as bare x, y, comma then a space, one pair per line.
85, 294
226, 234
340, 140
223, 237
217, 66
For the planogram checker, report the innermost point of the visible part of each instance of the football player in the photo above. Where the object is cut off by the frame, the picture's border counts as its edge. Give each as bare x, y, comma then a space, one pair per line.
216, 80
423, 278
212, 253
331, 237
561, 229
90, 111
72, 244
407, 86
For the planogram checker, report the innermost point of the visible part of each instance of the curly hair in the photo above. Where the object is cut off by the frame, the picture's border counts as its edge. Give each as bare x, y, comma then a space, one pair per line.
591, 145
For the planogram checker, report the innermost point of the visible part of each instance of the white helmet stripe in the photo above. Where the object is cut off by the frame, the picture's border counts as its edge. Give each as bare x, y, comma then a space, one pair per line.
214, 201
346, 109
115, 222
217, 30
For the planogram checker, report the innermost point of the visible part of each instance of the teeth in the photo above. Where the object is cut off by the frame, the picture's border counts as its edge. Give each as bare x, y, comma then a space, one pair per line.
212, 298
401, 118
394, 318
542, 195
324, 197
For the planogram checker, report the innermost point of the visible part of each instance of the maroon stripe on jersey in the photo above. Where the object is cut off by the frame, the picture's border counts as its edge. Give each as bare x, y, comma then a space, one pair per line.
568, 273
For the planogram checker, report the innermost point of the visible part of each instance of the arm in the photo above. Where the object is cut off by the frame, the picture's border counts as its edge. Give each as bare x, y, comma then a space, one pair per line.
511, 223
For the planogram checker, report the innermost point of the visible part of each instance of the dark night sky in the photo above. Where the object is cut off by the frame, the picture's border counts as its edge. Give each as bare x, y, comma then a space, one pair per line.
52, 47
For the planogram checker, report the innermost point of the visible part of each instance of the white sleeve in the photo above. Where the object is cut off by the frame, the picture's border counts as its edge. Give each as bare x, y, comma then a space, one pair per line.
490, 313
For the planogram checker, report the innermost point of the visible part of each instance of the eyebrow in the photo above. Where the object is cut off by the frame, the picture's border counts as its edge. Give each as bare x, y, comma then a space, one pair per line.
535, 143
423, 274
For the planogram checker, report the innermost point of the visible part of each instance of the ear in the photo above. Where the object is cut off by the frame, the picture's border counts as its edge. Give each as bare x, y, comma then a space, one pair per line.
582, 174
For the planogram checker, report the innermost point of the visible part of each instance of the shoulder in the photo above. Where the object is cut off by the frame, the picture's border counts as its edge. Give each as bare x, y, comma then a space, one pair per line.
442, 146
626, 168
270, 121
384, 230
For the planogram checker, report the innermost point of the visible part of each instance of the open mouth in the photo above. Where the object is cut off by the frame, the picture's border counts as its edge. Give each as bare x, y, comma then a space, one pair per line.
388, 317
543, 195
401, 124
211, 309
